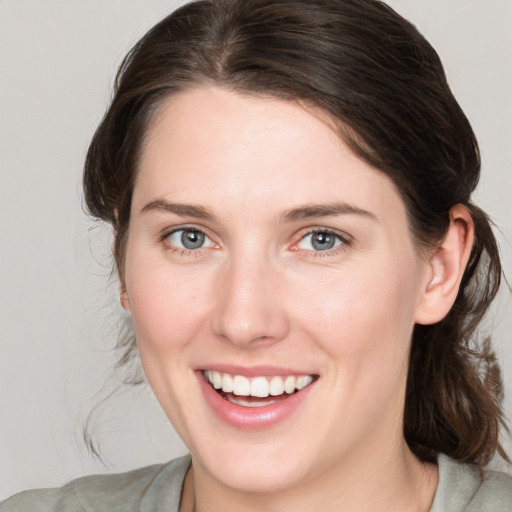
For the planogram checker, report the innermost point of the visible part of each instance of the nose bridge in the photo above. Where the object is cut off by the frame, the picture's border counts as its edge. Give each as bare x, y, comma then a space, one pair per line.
248, 306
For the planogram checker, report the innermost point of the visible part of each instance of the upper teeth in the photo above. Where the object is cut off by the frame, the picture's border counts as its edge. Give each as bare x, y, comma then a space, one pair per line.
257, 386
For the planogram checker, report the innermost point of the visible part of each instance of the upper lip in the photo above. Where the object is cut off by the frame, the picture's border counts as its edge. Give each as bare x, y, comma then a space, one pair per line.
254, 371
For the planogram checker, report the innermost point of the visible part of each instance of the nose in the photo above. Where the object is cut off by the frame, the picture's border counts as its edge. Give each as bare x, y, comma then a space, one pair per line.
249, 306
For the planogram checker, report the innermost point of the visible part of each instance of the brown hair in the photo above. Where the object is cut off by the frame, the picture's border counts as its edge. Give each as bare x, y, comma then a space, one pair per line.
384, 85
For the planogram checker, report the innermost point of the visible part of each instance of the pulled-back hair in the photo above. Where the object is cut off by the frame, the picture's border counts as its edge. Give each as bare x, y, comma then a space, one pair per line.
384, 86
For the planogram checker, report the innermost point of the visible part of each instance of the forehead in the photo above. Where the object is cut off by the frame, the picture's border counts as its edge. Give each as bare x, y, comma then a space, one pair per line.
217, 146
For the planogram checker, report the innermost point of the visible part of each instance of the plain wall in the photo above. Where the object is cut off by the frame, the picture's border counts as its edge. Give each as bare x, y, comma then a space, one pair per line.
58, 303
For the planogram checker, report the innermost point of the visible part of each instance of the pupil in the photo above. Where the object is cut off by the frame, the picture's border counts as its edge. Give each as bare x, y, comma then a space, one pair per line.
192, 239
322, 241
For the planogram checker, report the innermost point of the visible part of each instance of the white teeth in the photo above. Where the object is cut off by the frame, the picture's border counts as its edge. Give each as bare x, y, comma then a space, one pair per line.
260, 387
276, 386
240, 400
303, 381
241, 386
289, 384
227, 383
216, 380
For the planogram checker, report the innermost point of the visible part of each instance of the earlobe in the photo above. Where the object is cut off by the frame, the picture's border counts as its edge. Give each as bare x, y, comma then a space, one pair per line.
446, 266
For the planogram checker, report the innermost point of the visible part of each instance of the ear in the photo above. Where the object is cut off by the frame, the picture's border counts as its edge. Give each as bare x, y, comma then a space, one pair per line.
446, 265
123, 298
123, 293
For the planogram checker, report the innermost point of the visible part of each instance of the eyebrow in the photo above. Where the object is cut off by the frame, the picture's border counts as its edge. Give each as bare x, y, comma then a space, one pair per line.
183, 210
311, 211
314, 211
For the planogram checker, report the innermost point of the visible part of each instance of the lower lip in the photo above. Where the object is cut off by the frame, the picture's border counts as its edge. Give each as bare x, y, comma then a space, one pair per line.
251, 418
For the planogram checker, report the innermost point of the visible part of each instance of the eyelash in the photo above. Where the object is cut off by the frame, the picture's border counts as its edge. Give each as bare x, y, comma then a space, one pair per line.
183, 251
344, 242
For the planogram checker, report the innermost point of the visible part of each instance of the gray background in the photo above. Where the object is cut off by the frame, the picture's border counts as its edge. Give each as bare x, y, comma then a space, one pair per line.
58, 303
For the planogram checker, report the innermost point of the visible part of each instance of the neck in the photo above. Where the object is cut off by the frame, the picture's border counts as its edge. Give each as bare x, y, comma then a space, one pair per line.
394, 482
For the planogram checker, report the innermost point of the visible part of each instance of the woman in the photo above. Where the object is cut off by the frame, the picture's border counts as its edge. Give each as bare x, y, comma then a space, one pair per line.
289, 184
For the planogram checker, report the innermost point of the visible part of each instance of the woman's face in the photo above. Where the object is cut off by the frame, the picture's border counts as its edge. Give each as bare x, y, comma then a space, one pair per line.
262, 254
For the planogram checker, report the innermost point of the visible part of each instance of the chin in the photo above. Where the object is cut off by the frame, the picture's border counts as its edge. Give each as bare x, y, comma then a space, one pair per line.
258, 476
258, 466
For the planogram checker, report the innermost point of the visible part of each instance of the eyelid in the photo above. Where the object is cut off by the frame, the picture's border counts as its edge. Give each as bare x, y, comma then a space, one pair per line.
169, 230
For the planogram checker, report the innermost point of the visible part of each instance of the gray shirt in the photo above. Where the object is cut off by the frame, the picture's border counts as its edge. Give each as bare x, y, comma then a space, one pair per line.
461, 488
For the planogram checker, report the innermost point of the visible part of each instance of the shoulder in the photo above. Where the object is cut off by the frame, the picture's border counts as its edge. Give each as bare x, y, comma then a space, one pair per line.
466, 488
155, 488
494, 493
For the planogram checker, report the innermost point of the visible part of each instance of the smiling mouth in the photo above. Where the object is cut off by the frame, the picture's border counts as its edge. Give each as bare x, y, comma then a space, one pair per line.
257, 391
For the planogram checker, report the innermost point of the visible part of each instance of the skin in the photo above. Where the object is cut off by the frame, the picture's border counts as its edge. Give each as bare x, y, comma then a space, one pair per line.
258, 293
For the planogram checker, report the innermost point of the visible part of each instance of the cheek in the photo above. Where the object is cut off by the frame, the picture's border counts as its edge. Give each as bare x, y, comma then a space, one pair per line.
165, 304
364, 315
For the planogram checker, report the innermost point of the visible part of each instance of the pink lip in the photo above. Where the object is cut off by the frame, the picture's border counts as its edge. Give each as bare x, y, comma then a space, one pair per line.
252, 418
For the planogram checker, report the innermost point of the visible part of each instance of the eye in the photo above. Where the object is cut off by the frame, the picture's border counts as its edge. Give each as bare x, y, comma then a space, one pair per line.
190, 239
321, 240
